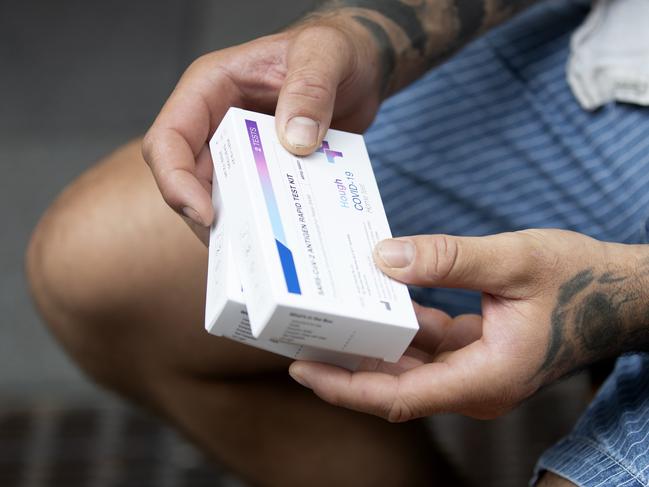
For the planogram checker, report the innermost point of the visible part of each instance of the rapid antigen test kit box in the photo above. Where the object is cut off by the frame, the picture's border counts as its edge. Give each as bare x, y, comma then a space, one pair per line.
302, 232
225, 309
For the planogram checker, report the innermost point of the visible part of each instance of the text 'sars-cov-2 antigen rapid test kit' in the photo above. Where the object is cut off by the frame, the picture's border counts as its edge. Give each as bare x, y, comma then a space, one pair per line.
290, 257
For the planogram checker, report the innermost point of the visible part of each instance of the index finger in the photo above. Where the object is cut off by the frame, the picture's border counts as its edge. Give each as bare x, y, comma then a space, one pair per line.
463, 382
179, 134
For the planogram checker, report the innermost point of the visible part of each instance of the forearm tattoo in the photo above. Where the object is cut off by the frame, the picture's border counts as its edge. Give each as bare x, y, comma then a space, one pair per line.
415, 35
597, 316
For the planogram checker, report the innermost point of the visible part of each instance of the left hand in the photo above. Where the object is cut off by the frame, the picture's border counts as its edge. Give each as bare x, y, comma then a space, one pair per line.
553, 301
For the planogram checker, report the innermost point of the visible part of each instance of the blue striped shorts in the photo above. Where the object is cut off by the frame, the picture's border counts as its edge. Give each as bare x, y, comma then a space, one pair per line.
494, 141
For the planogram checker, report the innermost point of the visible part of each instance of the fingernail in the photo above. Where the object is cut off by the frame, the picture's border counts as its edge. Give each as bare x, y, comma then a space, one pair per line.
302, 132
299, 379
396, 253
192, 214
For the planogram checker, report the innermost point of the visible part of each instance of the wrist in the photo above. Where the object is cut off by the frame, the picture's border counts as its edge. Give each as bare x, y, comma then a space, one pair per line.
634, 259
601, 307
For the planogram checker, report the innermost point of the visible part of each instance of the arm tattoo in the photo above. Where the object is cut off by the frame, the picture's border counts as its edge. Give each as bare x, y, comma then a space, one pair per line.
388, 57
415, 35
595, 317
405, 16
471, 15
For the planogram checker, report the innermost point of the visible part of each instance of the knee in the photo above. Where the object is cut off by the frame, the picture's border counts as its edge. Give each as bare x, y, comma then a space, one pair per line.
59, 262
71, 263
58, 265
65, 276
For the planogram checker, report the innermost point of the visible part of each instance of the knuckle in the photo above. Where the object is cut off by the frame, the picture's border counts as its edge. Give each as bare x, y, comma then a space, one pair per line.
147, 147
399, 411
442, 255
336, 396
536, 256
167, 181
309, 84
201, 63
533, 243
332, 398
324, 37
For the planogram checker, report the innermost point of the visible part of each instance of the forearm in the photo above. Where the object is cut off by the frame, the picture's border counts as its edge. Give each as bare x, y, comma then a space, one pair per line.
412, 36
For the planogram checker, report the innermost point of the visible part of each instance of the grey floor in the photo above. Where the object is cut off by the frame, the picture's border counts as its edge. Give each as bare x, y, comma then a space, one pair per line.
78, 78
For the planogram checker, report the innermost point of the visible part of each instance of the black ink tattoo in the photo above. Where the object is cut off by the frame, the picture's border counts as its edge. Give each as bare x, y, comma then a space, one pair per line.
405, 16
598, 321
567, 291
434, 30
575, 285
388, 56
609, 278
596, 317
471, 16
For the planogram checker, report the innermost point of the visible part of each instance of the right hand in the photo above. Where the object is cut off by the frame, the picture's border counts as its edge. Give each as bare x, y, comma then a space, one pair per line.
312, 75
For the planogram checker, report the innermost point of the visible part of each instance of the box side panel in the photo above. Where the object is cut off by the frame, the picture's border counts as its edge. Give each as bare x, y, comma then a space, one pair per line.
234, 320
230, 163
227, 322
338, 333
216, 292
302, 351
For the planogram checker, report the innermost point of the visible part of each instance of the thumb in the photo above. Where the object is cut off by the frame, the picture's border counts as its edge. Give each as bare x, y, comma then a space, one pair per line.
504, 264
319, 58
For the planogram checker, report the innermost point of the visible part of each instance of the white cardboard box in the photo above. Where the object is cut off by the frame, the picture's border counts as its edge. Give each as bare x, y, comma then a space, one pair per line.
225, 309
303, 230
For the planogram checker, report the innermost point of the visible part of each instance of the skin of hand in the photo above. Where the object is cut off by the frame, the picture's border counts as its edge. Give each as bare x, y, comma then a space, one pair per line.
553, 301
312, 74
335, 66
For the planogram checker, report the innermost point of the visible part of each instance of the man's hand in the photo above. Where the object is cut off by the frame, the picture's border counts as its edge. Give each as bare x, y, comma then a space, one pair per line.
336, 65
552, 302
315, 72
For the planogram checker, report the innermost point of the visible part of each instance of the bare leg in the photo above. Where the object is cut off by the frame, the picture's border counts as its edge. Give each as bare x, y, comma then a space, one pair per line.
120, 280
550, 479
